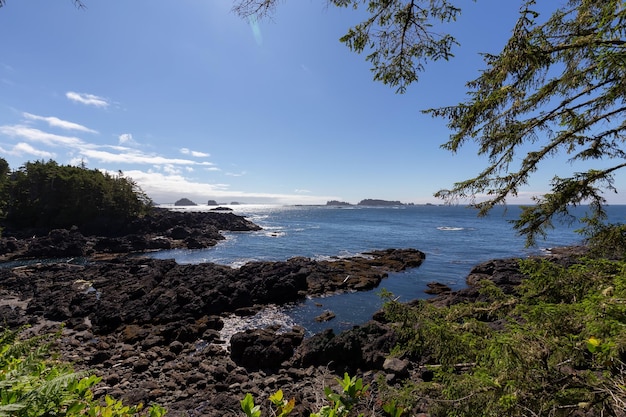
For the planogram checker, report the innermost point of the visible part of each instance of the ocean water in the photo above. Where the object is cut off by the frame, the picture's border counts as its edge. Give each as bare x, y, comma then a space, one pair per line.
453, 238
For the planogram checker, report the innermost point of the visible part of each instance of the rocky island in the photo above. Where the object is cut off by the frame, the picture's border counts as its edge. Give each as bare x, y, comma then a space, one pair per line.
184, 202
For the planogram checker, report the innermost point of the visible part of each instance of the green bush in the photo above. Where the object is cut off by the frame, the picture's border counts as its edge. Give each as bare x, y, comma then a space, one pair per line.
339, 403
33, 383
556, 347
47, 195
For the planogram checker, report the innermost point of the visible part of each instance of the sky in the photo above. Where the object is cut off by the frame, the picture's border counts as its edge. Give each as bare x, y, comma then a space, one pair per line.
192, 101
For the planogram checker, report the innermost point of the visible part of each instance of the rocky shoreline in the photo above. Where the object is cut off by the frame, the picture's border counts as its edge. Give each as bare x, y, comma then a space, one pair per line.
161, 230
154, 329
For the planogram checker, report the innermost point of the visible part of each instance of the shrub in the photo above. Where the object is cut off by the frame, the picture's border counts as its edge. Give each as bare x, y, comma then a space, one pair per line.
33, 383
557, 347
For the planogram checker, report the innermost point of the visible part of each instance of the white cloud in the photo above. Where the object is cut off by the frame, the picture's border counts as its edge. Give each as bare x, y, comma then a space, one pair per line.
22, 149
134, 157
56, 122
197, 154
171, 169
300, 191
36, 135
163, 188
87, 99
126, 139
79, 161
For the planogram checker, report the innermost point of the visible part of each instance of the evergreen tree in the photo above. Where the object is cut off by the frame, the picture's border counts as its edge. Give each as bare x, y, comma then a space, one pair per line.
47, 195
557, 87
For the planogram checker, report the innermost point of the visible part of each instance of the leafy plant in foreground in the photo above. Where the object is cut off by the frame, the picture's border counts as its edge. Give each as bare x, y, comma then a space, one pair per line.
33, 384
340, 403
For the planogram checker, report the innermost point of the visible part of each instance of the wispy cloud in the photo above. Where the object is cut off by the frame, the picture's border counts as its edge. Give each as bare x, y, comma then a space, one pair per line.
22, 149
172, 169
36, 135
87, 99
126, 139
79, 149
56, 122
197, 154
164, 188
134, 157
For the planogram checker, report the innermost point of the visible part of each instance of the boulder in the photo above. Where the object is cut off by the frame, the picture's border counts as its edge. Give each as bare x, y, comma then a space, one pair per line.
363, 347
59, 243
264, 348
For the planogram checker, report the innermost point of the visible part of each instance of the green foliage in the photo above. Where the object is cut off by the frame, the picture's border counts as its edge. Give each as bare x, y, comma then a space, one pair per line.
249, 408
556, 347
282, 406
397, 36
33, 384
48, 195
342, 402
393, 409
556, 85
605, 240
339, 403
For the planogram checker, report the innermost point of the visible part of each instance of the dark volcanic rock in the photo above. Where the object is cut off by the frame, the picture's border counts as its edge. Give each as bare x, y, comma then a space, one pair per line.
162, 229
437, 288
344, 274
505, 274
145, 291
151, 328
264, 348
362, 348
59, 243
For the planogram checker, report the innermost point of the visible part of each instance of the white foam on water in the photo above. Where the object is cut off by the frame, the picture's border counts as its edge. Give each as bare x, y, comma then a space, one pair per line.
450, 228
271, 315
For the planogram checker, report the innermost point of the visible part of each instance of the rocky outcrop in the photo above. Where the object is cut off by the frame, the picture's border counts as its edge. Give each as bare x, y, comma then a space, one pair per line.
504, 273
152, 329
162, 229
361, 348
144, 291
184, 202
264, 348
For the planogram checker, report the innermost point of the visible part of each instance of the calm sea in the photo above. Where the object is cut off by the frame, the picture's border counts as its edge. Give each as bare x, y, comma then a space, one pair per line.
453, 238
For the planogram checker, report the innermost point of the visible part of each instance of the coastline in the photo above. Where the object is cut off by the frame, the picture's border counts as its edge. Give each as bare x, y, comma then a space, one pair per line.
152, 328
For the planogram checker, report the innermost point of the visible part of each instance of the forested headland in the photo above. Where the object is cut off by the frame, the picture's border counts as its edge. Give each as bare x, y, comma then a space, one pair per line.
41, 196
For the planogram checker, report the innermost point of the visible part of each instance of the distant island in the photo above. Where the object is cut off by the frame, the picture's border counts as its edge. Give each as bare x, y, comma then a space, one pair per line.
367, 202
337, 203
185, 202
215, 203
375, 202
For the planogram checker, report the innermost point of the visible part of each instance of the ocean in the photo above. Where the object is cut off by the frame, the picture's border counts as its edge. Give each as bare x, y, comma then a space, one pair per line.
453, 238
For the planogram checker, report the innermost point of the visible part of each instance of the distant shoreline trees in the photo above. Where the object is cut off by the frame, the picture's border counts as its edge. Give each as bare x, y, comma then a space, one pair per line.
46, 195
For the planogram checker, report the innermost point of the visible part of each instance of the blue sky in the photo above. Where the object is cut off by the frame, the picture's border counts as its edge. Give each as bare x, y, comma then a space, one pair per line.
192, 101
